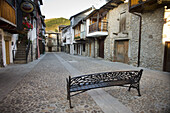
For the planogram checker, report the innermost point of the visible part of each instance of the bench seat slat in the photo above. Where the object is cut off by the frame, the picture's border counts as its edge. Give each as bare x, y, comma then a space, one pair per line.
99, 85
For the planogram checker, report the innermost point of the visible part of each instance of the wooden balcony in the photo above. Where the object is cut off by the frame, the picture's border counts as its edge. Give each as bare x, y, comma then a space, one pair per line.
7, 15
141, 6
101, 26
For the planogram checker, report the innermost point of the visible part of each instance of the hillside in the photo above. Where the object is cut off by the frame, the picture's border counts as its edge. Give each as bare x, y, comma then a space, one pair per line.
52, 24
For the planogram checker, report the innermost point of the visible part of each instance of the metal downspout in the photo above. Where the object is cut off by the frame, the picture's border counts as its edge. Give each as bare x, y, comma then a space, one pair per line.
94, 47
36, 37
140, 31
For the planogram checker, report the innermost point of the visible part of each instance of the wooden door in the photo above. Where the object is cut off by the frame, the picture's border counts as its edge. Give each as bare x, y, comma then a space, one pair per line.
167, 57
7, 52
77, 48
101, 48
121, 53
49, 49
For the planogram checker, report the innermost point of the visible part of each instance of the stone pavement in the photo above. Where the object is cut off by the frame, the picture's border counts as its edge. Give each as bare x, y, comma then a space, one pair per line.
12, 74
43, 88
106, 102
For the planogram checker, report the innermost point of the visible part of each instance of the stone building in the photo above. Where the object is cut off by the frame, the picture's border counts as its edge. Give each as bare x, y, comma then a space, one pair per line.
135, 33
91, 31
136, 39
53, 42
66, 37
75, 47
154, 52
97, 29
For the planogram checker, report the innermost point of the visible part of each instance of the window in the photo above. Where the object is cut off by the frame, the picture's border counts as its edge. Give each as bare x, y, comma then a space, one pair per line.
11, 2
84, 47
122, 26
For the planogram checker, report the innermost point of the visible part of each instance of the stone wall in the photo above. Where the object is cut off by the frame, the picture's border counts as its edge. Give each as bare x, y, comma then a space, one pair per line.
152, 49
1, 57
115, 35
90, 41
34, 47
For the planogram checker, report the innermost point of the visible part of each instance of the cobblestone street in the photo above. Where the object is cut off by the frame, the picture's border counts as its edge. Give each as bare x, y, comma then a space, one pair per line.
43, 88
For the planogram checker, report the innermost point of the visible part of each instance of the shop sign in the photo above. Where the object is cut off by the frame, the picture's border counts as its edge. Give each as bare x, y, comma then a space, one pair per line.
27, 7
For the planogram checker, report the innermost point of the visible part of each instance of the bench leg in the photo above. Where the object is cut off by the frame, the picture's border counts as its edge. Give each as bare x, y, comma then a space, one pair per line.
138, 89
136, 86
129, 87
68, 93
70, 103
69, 98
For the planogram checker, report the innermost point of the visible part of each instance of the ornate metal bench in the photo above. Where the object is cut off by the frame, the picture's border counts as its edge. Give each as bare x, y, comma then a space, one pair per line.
99, 80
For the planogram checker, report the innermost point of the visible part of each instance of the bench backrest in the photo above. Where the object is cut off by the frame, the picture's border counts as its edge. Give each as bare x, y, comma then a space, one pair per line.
131, 76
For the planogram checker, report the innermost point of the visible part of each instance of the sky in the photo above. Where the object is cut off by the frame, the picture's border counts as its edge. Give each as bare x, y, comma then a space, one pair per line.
67, 8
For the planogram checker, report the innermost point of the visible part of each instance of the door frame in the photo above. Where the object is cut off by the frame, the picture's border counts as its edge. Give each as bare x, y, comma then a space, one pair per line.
101, 40
115, 51
165, 54
7, 51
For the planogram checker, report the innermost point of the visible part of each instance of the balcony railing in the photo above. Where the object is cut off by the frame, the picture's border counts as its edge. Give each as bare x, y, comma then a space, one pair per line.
102, 26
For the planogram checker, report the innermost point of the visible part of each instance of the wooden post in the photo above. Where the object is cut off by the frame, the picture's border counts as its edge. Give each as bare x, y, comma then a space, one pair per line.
97, 21
57, 42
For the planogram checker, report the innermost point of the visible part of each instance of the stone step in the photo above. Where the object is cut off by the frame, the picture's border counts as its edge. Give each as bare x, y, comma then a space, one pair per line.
21, 53
21, 50
21, 47
20, 56
19, 61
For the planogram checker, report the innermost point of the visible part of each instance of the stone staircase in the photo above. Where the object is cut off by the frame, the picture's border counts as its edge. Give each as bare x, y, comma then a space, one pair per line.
20, 56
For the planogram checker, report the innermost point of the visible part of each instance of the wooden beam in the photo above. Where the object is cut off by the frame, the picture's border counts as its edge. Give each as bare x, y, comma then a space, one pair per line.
110, 6
114, 4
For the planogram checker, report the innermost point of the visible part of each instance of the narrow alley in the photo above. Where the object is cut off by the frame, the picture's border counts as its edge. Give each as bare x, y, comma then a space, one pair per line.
42, 88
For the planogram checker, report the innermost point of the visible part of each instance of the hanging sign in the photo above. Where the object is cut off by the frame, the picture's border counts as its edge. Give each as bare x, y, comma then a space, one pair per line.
27, 7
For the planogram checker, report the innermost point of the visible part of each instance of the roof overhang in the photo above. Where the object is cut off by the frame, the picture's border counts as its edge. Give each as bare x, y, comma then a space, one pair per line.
7, 25
108, 6
81, 12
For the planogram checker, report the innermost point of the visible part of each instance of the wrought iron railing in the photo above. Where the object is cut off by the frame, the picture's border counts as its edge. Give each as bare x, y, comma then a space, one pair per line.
13, 54
14, 51
102, 26
28, 49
